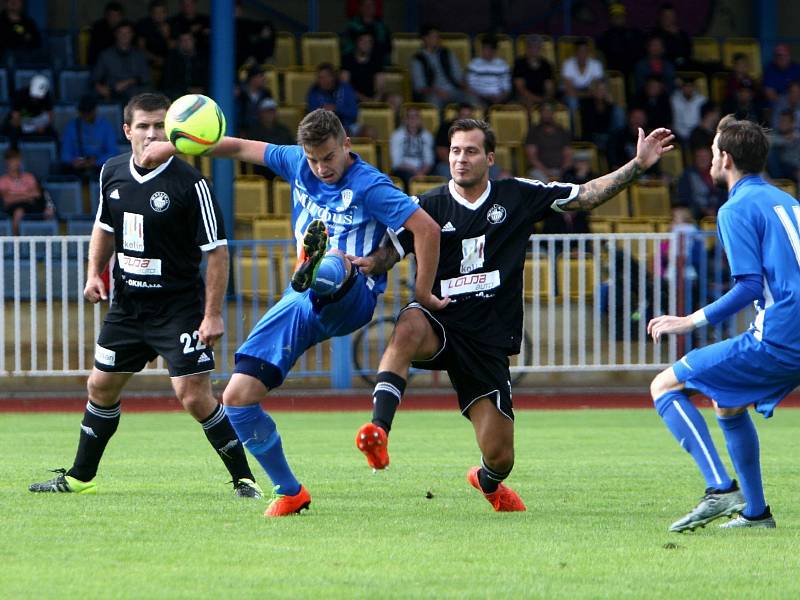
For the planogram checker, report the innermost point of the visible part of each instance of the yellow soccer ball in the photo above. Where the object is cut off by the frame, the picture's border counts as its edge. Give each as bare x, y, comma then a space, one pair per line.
194, 124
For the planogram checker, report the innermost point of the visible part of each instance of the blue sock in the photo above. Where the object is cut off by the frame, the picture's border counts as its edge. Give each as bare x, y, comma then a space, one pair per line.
741, 438
331, 274
690, 429
259, 435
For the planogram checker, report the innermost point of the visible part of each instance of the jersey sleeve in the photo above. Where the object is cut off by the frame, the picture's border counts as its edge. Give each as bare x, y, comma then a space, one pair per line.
543, 196
388, 205
283, 160
402, 239
103, 217
210, 230
742, 242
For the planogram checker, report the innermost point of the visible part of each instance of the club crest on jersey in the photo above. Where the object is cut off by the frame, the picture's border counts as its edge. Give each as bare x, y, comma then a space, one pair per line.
159, 202
496, 214
347, 198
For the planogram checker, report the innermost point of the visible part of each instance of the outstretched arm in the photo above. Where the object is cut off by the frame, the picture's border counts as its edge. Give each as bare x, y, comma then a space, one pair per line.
598, 191
251, 151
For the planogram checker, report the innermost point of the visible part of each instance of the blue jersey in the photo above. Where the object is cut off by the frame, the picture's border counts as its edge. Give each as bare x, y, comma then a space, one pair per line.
759, 227
357, 209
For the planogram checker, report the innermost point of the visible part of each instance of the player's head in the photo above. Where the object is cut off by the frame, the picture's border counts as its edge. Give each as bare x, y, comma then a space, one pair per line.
739, 146
325, 143
144, 121
472, 144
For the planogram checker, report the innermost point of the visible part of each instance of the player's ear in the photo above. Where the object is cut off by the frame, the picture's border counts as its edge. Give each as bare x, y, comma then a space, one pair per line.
490, 158
126, 129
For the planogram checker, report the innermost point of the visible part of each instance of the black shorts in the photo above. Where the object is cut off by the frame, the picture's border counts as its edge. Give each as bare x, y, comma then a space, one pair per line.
133, 334
475, 370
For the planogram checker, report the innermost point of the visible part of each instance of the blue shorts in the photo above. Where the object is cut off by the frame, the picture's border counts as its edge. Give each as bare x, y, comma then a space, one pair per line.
738, 372
297, 322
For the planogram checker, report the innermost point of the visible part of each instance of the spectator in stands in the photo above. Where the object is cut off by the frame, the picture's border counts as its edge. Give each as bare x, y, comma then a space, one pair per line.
488, 77
269, 129
744, 104
577, 221
411, 148
88, 141
783, 161
255, 40
436, 75
188, 19
739, 76
689, 251
250, 95
779, 73
533, 77
791, 102
696, 188
656, 103
686, 104
20, 39
186, 70
21, 193
366, 21
600, 116
654, 63
332, 94
677, 43
623, 145
154, 35
547, 147
621, 45
121, 71
578, 72
31, 112
702, 136
101, 34
362, 68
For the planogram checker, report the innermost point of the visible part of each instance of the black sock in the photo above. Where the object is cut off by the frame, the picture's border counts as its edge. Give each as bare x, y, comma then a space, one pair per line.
220, 433
97, 427
389, 389
490, 479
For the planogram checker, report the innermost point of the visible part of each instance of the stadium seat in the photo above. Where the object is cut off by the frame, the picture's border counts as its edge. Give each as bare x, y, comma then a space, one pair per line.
459, 44
650, 199
38, 228
614, 208
24, 74
709, 224
787, 185
112, 113
296, 84
62, 115
272, 229
252, 276
429, 113
505, 47
285, 54
404, 46
4, 91
38, 157
400, 283
699, 78
617, 87
320, 47
565, 47
634, 226
84, 37
706, 49
510, 122
94, 195
419, 184
672, 163
281, 198
5, 227
571, 267
397, 81
548, 48
291, 115
544, 268
743, 45
365, 148
251, 199
561, 116
719, 85
80, 226
451, 112
73, 83
379, 116
594, 155
508, 156
61, 49
65, 193
398, 183
600, 225
4, 110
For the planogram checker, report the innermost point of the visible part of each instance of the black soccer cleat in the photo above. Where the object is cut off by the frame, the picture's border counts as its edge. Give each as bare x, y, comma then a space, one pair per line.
247, 488
315, 243
64, 484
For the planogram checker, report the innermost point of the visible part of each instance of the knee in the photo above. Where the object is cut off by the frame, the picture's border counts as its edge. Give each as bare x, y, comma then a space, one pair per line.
729, 412
662, 383
499, 458
99, 394
409, 331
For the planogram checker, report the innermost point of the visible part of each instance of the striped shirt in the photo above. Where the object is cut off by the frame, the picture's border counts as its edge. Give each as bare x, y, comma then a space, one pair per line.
489, 77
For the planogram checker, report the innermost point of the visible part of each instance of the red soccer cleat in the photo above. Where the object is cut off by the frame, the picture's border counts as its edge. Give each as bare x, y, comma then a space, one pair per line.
282, 506
373, 443
504, 499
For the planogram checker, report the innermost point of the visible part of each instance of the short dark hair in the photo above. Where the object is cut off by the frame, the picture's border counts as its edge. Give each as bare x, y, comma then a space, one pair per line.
12, 153
326, 66
490, 41
427, 28
317, 126
154, 3
114, 7
489, 139
746, 143
147, 101
706, 108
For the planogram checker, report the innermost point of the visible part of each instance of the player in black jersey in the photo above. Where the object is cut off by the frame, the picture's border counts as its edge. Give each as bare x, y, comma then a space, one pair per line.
485, 230
157, 222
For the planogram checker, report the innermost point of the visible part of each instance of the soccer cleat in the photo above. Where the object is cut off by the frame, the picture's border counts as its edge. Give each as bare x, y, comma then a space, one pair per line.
714, 504
282, 506
247, 488
765, 521
315, 243
373, 443
64, 484
503, 499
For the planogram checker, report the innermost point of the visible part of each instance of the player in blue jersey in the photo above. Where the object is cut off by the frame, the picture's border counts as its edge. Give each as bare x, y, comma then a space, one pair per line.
759, 229
341, 206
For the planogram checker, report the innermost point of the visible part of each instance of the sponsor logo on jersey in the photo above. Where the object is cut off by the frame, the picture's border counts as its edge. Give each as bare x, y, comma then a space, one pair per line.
104, 356
203, 358
137, 265
496, 214
132, 232
448, 227
114, 195
159, 202
319, 212
469, 284
141, 284
472, 251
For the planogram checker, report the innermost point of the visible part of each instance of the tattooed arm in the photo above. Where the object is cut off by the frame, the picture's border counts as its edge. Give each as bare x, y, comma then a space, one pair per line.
597, 191
378, 262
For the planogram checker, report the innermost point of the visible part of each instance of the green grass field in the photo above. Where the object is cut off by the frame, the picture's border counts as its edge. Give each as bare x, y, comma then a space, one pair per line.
601, 489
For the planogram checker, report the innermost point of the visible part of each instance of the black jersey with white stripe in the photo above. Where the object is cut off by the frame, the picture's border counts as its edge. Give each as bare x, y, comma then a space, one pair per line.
482, 253
162, 223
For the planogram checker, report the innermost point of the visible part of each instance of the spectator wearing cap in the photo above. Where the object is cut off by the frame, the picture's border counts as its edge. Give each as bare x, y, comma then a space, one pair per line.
186, 71
88, 141
686, 103
31, 111
269, 129
621, 45
578, 72
21, 193
488, 77
780, 72
19, 36
121, 71
101, 33
251, 93
333, 94
532, 76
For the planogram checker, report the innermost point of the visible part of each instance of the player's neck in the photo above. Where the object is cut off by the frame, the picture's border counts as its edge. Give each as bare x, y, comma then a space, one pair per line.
732, 178
473, 192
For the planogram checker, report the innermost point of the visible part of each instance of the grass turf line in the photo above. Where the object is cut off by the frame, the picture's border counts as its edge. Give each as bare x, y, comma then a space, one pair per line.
601, 489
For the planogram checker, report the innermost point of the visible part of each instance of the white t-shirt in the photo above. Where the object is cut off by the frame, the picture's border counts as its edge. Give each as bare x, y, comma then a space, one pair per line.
581, 79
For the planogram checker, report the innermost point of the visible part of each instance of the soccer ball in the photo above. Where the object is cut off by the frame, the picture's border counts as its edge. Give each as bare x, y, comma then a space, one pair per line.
194, 124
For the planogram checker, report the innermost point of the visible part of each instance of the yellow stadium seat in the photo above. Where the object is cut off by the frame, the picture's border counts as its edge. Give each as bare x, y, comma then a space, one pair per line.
743, 45
320, 47
543, 266
505, 47
571, 267
291, 115
787, 185
510, 122
600, 225
634, 226
272, 229
84, 37
251, 199
270, 79
561, 116
252, 276
616, 85
429, 113
285, 54
565, 47
281, 197
594, 154
451, 112
615, 208
699, 78
296, 84
398, 183
548, 48
400, 283
459, 45
365, 148
719, 85
706, 49
650, 199
672, 163
396, 81
379, 116
404, 47
420, 184
507, 157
